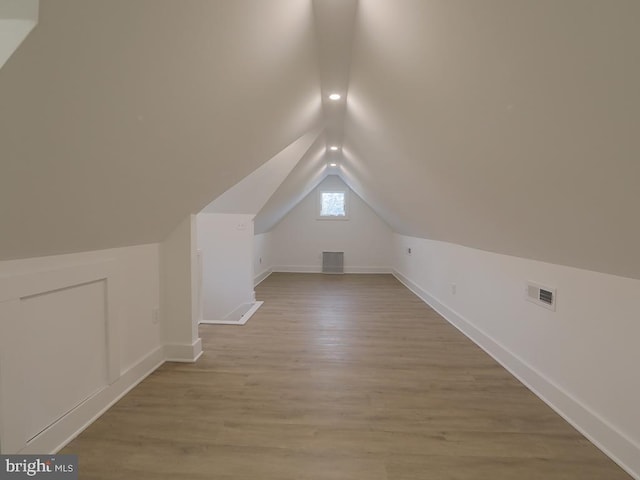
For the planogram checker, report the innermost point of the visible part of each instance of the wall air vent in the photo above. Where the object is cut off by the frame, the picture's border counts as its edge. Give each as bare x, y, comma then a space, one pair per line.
540, 295
546, 296
332, 262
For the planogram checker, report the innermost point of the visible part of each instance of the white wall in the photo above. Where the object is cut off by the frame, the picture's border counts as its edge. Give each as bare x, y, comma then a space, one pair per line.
262, 256
582, 359
76, 331
300, 238
226, 245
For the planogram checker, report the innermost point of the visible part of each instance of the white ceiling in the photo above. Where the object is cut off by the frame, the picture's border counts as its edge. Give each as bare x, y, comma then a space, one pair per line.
509, 126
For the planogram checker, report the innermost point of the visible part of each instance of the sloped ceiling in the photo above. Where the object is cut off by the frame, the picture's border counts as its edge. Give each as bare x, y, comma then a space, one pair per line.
509, 126
250, 194
307, 174
334, 21
118, 118
17, 19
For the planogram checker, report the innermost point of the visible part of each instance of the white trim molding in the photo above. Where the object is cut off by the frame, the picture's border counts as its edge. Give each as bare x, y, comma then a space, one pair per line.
70, 426
16, 289
261, 277
236, 318
318, 269
621, 449
185, 353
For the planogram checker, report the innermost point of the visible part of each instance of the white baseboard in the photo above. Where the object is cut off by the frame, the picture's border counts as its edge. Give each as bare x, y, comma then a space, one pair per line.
617, 446
297, 269
318, 269
187, 353
373, 270
244, 318
238, 313
54, 438
262, 277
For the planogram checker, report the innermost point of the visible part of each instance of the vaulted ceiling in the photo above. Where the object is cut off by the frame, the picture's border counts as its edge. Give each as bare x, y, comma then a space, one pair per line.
509, 126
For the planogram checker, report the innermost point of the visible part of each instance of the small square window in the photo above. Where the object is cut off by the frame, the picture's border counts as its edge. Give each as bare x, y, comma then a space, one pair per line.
333, 205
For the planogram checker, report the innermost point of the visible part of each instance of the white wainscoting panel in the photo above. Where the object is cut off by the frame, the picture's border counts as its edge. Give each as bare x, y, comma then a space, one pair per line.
58, 346
66, 334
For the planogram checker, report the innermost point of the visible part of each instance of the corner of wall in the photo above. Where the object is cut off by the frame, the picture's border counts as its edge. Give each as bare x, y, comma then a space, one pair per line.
179, 290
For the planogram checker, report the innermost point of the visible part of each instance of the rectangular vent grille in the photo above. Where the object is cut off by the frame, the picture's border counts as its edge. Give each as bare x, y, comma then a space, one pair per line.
546, 296
332, 262
543, 296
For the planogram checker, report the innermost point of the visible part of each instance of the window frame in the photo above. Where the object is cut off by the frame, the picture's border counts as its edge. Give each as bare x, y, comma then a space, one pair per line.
345, 192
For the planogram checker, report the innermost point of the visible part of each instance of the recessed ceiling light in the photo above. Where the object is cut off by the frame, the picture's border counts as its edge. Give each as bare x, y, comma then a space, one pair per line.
333, 147
335, 96
333, 164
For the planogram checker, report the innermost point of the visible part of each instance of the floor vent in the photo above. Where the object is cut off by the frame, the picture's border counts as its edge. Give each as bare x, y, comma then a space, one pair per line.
332, 262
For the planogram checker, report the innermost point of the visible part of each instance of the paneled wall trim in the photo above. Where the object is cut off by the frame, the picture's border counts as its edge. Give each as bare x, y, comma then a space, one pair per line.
47, 369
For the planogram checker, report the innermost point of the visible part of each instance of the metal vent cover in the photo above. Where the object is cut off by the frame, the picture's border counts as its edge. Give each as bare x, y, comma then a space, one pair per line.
546, 296
332, 262
541, 295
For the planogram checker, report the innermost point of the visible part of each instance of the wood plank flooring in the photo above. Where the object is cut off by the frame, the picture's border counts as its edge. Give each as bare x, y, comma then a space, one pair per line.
336, 377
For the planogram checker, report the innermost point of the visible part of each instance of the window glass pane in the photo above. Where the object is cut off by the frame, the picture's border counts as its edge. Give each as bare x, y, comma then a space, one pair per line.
332, 204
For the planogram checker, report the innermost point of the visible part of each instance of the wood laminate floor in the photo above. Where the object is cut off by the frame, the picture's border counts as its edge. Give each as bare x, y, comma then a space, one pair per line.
336, 377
